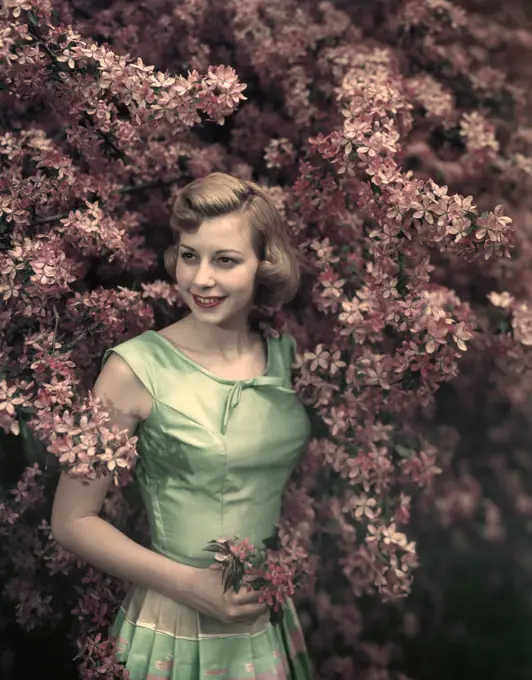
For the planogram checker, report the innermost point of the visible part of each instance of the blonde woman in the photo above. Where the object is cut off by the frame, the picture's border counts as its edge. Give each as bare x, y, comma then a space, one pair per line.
220, 430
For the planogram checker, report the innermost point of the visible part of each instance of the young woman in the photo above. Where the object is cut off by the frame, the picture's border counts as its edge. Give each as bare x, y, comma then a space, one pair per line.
220, 430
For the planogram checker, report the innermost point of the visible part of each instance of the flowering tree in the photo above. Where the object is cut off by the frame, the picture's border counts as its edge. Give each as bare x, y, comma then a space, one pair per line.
390, 138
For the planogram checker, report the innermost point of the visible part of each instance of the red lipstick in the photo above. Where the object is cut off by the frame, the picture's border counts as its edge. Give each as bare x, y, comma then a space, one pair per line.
207, 302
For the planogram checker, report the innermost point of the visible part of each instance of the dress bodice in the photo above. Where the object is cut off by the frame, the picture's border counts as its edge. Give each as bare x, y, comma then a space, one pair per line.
214, 454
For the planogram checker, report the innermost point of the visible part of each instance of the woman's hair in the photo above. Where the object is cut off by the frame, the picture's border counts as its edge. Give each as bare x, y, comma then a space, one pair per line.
217, 194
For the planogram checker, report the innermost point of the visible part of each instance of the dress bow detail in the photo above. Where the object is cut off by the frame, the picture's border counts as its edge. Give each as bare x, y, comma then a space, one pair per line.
233, 398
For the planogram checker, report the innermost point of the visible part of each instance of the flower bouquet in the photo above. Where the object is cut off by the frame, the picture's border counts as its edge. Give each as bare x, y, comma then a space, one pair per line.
262, 569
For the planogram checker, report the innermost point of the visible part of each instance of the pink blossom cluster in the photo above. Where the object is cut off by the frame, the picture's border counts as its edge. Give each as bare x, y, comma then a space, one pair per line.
390, 147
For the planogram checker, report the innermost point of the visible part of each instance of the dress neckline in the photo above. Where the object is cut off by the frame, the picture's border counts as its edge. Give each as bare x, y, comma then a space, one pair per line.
202, 369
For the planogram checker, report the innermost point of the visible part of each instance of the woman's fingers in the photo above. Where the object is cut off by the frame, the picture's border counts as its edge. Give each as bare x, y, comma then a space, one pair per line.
253, 611
245, 595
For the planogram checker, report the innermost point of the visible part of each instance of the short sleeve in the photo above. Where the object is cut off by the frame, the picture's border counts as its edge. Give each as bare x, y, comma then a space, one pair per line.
138, 359
289, 349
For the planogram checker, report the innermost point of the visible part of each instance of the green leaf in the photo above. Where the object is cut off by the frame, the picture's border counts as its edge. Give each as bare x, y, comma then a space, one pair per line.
32, 18
258, 582
504, 326
34, 449
229, 577
403, 451
216, 548
276, 617
272, 542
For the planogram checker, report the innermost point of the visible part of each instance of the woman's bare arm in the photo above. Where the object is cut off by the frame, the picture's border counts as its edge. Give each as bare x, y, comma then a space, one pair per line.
75, 522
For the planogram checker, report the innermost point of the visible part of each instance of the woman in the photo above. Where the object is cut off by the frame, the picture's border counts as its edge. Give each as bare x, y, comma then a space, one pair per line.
220, 430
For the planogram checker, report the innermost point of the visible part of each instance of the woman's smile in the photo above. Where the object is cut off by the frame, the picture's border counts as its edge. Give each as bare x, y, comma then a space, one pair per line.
207, 302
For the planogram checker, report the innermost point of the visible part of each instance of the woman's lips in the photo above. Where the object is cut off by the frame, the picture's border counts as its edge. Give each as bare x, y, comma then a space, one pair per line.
208, 301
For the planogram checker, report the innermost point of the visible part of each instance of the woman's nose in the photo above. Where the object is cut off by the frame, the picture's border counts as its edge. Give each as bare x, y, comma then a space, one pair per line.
203, 275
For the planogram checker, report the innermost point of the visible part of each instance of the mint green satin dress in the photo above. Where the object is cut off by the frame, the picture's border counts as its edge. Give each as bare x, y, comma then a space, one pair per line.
214, 457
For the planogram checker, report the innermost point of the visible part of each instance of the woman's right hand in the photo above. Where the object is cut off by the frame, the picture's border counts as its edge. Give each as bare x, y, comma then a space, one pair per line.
208, 597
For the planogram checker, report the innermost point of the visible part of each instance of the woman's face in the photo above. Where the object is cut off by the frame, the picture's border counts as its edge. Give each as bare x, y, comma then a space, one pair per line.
218, 261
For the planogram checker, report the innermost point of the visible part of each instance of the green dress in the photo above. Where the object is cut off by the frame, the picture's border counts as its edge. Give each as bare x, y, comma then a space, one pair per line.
214, 457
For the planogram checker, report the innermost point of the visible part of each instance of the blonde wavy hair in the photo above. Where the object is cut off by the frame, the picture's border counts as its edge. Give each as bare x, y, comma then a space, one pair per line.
278, 274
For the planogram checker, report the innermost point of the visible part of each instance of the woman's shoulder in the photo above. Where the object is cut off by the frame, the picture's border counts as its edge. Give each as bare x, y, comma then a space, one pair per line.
287, 341
132, 364
283, 346
135, 342
127, 386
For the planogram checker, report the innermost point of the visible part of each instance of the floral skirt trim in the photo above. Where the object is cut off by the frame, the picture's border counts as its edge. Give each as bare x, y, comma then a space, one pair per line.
160, 638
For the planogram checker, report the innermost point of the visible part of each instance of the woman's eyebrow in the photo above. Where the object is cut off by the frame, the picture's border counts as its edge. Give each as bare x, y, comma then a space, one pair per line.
225, 250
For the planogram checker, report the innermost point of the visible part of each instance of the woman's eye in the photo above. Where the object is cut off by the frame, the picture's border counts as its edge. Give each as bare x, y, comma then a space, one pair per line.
222, 260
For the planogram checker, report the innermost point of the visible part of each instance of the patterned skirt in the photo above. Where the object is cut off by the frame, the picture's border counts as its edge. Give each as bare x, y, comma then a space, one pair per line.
160, 638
